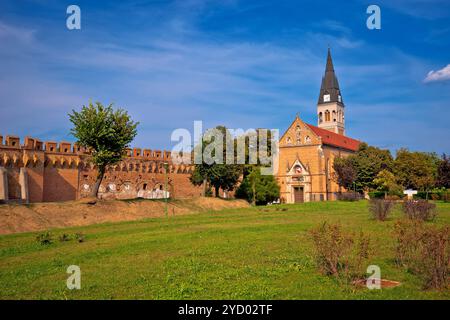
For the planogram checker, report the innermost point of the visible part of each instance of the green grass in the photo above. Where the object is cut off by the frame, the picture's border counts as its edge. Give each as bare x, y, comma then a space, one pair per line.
254, 253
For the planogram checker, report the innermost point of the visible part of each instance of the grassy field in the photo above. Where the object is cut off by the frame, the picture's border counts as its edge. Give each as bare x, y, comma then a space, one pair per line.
254, 253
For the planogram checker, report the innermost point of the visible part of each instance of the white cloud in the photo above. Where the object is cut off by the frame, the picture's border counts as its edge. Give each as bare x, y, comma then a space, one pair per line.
439, 75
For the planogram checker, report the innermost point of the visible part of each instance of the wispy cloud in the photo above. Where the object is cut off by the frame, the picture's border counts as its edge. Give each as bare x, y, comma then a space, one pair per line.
169, 63
439, 75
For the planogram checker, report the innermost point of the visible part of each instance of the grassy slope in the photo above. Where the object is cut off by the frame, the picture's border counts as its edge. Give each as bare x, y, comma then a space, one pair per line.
250, 253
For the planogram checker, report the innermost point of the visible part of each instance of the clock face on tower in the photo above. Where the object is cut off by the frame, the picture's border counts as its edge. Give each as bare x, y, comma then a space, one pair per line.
326, 98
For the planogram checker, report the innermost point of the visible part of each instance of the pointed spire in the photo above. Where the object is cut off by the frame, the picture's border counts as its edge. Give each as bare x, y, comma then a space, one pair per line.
329, 67
330, 84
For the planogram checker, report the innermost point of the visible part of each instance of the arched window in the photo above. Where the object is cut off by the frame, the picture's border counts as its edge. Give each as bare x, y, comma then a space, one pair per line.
334, 116
320, 117
327, 116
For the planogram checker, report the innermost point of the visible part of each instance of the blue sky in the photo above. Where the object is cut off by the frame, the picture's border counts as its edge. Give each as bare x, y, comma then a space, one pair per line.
243, 64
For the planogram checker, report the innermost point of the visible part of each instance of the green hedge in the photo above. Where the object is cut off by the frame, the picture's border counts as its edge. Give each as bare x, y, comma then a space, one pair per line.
441, 195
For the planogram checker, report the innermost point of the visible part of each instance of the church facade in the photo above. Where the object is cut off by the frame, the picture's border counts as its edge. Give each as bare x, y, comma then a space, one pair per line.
307, 152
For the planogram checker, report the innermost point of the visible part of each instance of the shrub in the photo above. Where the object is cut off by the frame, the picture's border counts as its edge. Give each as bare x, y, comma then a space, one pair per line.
64, 237
446, 196
393, 197
425, 251
380, 209
44, 238
419, 209
338, 253
349, 196
80, 237
377, 194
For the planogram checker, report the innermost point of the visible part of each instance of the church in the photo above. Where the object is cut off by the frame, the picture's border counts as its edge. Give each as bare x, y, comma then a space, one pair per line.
306, 155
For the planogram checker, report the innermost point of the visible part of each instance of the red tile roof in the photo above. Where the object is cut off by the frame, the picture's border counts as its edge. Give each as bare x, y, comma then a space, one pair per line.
334, 139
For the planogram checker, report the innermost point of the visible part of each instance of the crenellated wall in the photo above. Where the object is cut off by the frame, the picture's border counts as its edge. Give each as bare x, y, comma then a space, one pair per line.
63, 171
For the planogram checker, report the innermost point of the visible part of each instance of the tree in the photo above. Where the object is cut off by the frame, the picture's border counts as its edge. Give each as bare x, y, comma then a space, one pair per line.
217, 175
344, 172
258, 189
368, 162
416, 170
443, 172
386, 182
105, 132
362, 167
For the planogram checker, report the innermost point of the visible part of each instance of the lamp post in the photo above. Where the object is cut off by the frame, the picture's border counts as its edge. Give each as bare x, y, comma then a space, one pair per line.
166, 167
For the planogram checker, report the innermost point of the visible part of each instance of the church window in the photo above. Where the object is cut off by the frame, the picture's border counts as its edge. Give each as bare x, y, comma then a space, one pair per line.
327, 116
334, 116
320, 117
307, 139
288, 140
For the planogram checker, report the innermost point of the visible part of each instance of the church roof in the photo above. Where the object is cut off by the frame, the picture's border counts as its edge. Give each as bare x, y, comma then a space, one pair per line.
334, 139
330, 84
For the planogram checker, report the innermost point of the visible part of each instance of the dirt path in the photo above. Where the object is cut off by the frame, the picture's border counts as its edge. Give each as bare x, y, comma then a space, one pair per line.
43, 216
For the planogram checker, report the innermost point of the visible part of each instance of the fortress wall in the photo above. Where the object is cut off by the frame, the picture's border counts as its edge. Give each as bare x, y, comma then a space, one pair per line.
60, 184
62, 172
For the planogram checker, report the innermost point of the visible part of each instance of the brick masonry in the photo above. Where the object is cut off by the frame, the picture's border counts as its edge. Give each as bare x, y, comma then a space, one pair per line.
63, 172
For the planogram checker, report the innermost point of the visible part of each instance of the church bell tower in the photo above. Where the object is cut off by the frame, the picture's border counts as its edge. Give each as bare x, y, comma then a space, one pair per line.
330, 107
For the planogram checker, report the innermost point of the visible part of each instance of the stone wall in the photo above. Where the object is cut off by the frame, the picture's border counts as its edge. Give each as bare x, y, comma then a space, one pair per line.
62, 172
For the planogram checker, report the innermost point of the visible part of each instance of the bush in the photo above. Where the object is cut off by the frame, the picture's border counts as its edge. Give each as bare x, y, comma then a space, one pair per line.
338, 253
64, 237
419, 209
79, 237
376, 195
380, 209
436, 194
348, 196
44, 238
425, 251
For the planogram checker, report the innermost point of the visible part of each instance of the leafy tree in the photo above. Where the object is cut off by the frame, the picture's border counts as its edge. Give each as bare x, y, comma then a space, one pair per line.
344, 172
258, 189
362, 167
368, 162
416, 170
217, 175
105, 132
386, 182
443, 172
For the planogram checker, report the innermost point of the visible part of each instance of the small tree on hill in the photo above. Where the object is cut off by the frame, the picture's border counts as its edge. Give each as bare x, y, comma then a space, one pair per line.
105, 132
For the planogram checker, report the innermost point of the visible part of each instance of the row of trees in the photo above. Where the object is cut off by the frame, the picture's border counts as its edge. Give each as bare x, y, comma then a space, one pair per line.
107, 133
255, 187
372, 168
